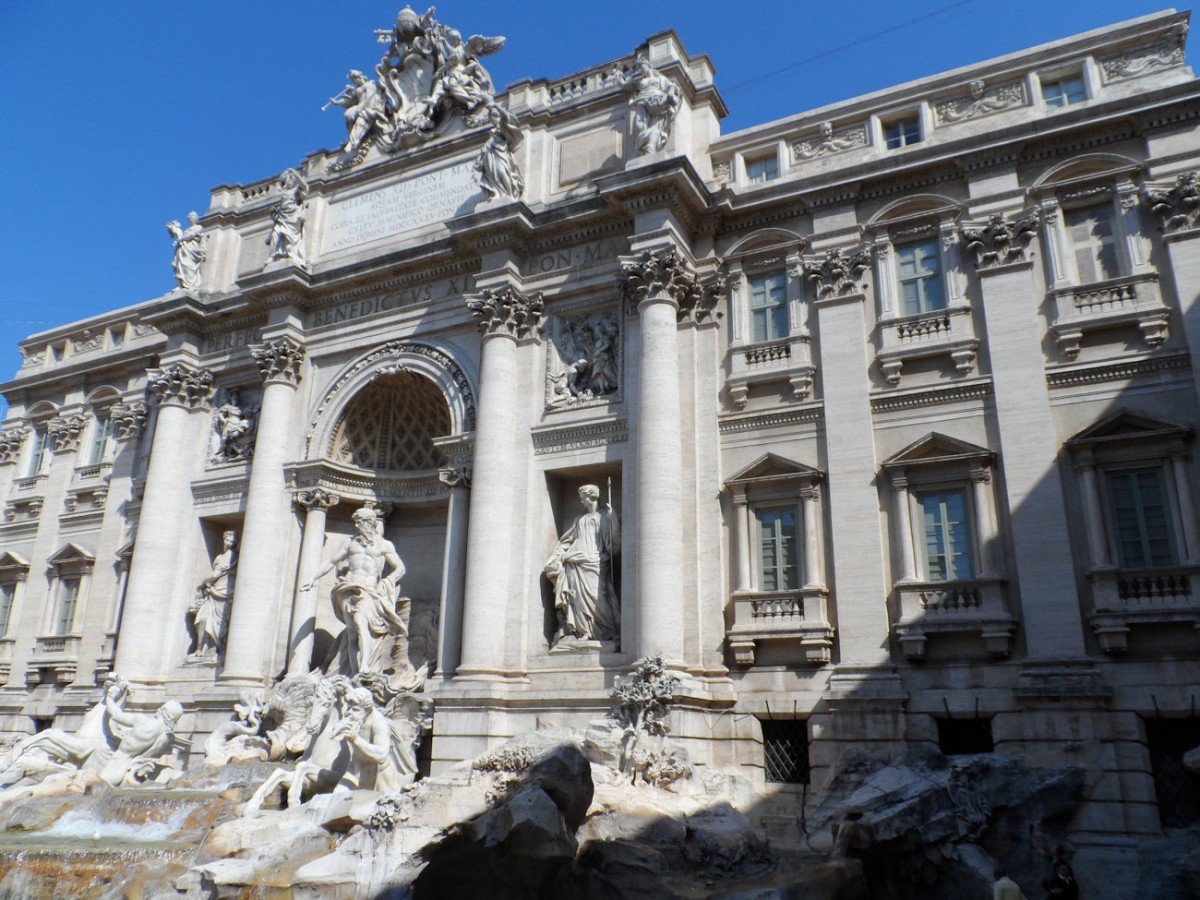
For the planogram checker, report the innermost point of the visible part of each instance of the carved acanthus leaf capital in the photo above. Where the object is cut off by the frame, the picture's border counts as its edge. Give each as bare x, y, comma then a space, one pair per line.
1179, 207
836, 273
317, 498
455, 476
64, 431
180, 385
11, 440
999, 240
128, 419
663, 275
279, 360
505, 311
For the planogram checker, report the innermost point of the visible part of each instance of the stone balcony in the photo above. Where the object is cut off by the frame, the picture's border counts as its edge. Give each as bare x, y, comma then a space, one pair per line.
948, 607
799, 616
787, 359
1128, 597
942, 332
55, 659
1117, 303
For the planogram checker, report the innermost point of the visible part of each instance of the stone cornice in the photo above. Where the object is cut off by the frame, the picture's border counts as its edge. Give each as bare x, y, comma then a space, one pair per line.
671, 184
931, 396
579, 435
1116, 370
775, 418
178, 314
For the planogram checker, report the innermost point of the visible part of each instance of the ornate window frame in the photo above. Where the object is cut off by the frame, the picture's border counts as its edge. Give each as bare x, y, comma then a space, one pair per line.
788, 358
948, 331
800, 615
1133, 298
56, 651
14, 574
1126, 597
922, 606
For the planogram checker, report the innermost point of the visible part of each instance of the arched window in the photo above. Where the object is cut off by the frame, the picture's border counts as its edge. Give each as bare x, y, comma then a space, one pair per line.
391, 424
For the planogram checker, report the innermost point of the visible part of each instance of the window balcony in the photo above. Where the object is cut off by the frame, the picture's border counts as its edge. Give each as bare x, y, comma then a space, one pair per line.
787, 359
949, 607
799, 616
940, 332
55, 659
1123, 598
1116, 303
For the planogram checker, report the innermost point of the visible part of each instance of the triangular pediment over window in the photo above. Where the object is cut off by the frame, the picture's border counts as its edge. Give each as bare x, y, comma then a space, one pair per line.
1126, 425
937, 448
71, 554
770, 467
13, 565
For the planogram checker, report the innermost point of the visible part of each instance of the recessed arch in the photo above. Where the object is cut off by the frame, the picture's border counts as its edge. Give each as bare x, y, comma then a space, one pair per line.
1088, 166
766, 239
912, 207
394, 365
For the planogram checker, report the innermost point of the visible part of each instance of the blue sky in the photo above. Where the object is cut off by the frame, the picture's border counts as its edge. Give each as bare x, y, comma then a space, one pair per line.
117, 117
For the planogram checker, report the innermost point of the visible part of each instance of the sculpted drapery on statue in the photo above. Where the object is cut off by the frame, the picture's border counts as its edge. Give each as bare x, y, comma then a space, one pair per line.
375, 639
286, 239
656, 100
190, 251
209, 611
582, 569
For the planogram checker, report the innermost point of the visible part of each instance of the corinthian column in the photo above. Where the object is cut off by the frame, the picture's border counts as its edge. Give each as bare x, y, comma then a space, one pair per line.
258, 598
659, 286
304, 611
166, 508
504, 317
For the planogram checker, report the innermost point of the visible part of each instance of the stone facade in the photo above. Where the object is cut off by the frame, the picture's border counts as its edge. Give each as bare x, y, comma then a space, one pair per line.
887, 413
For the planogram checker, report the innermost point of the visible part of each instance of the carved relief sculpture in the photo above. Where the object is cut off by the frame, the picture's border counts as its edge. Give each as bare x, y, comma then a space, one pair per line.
656, 101
981, 101
286, 239
582, 570
836, 273
583, 364
375, 639
427, 78
233, 429
209, 612
190, 251
999, 241
1179, 206
1164, 54
496, 165
827, 141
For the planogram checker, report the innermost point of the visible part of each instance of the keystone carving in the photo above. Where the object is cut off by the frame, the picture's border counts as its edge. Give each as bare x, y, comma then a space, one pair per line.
181, 386
11, 440
506, 311
1179, 206
279, 360
837, 272
64, 431
128, 419
998, 241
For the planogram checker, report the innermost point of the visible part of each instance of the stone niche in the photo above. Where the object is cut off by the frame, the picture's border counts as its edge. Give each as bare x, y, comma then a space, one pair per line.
563, 509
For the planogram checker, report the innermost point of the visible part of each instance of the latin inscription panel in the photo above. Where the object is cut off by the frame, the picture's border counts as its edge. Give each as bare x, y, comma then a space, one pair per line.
398, 208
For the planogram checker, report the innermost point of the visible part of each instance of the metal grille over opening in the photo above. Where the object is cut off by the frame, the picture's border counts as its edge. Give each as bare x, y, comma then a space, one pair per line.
391, 424
785, 750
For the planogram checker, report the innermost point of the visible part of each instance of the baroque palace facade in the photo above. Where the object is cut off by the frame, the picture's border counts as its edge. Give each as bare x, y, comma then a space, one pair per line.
875, 422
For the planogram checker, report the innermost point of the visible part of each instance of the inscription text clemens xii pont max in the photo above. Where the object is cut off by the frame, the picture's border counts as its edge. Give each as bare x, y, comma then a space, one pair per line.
397, 208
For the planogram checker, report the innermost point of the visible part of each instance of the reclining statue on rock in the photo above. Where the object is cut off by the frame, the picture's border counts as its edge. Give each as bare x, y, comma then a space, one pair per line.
124, 748
352, 745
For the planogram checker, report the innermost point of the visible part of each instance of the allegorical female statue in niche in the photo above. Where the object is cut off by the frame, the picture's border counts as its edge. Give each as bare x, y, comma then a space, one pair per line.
210, 608
581, 568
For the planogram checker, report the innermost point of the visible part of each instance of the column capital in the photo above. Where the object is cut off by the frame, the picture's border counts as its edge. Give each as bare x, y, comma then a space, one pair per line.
180, 385
279, 360
665, 275
455, 476
316, 498
1000, 240
1177, 206
128, 419
810, 492
507, 312
64, 431
11, 439
836, 273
